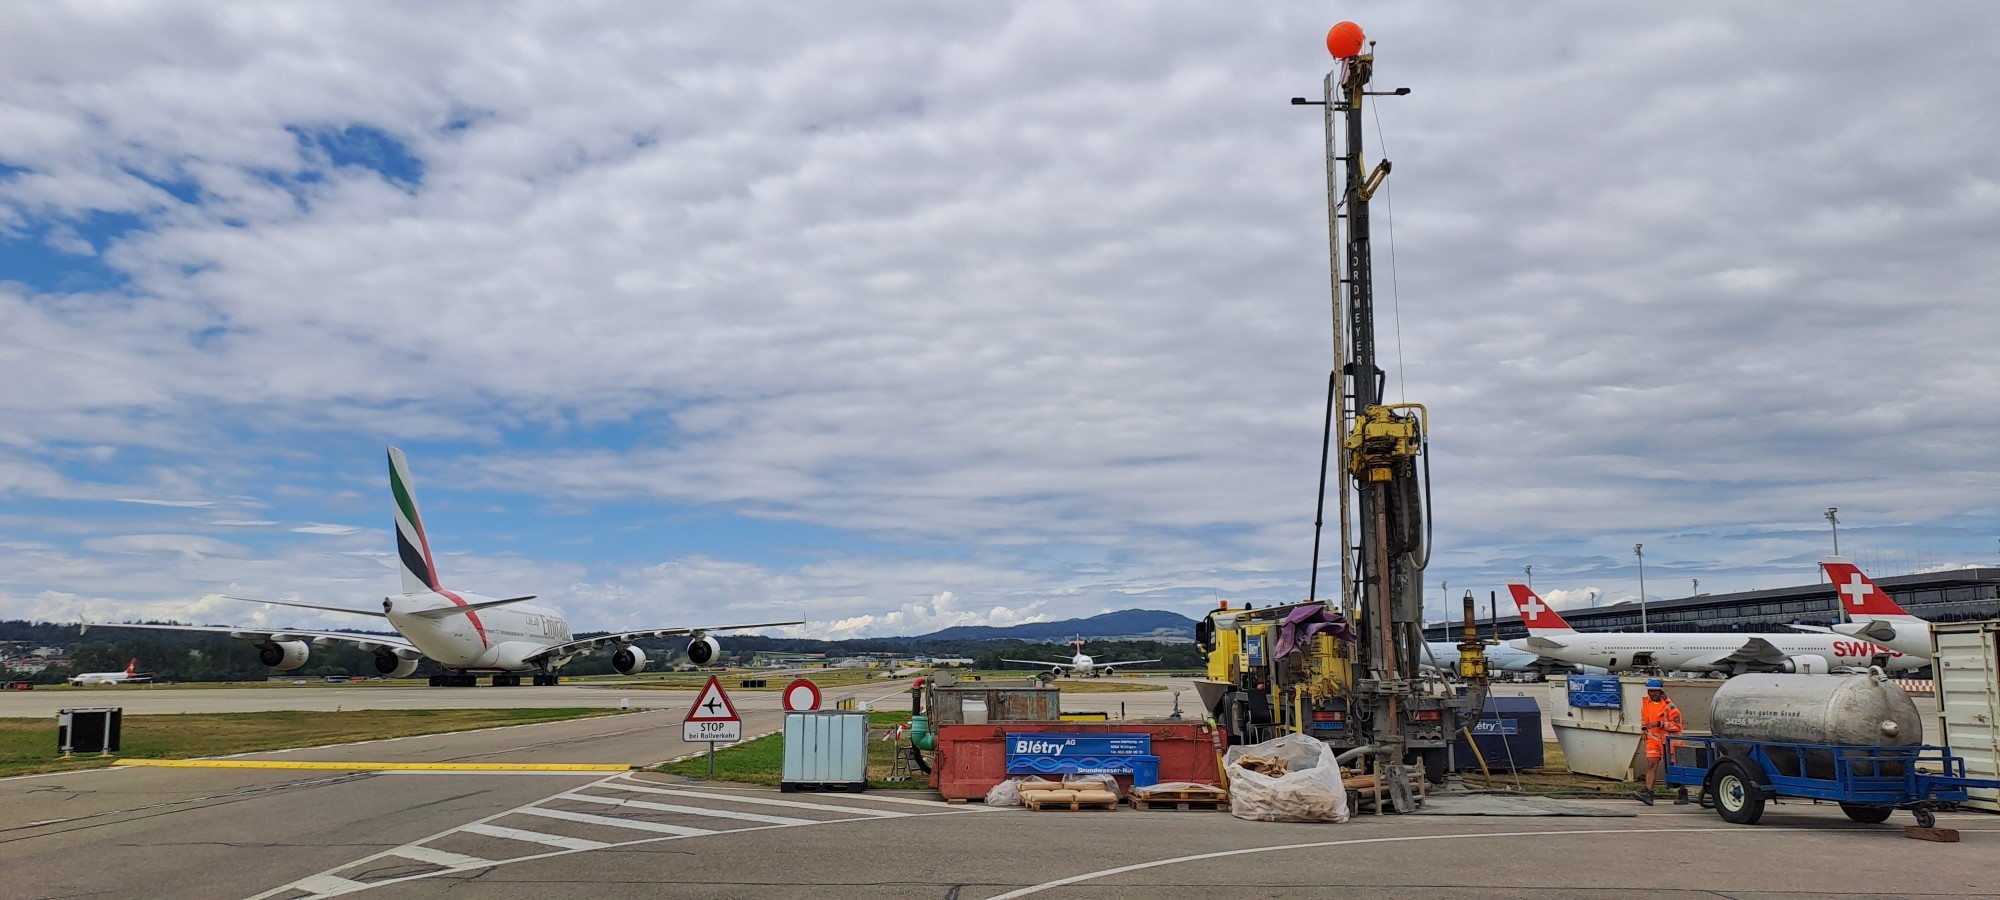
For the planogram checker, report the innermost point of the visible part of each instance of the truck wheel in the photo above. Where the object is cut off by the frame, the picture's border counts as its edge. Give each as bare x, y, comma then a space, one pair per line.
1872, 815
1737, 797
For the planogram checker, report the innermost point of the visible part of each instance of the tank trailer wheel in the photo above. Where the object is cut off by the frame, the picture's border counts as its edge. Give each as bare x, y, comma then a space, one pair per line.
1737, 797
1870, 815
1925, 818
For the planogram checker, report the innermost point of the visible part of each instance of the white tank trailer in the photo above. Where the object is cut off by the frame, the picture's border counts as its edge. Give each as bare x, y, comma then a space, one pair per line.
1857, 710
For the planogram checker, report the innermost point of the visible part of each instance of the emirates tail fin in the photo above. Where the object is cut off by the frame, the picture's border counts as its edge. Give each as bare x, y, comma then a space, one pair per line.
1860, 599
1538, 616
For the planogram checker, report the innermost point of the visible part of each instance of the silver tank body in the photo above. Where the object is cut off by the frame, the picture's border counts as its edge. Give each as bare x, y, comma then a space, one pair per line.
1866, 710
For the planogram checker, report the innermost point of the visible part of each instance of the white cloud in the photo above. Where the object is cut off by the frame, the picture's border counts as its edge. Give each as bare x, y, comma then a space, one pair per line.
321, 528
1027, 301
192, 504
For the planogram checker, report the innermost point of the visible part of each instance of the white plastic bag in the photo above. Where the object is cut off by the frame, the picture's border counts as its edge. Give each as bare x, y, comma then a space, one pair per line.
1309, 791
1006, 793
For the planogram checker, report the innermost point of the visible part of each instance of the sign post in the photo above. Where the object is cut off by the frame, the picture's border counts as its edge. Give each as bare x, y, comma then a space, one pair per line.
712, 720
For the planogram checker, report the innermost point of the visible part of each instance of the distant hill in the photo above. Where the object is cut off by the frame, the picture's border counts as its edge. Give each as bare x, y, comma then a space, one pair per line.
1125, 624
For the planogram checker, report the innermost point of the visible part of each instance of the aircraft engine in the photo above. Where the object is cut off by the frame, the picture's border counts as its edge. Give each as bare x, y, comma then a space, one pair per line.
628, 660
284, 656
1109, 671
1809, 664
1055, 671
703, 650
387, 663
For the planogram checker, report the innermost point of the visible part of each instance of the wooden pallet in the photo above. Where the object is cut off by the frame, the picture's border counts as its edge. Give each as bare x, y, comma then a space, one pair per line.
1040, 805
1190, 799
1169, 805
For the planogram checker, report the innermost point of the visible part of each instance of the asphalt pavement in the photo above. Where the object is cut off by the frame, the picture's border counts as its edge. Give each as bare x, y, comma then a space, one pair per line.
170, 833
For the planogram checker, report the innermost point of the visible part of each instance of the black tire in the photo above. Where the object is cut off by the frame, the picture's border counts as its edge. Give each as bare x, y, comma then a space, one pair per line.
787, 787
1436, 760
1868, 815
1925, 818
1738, 798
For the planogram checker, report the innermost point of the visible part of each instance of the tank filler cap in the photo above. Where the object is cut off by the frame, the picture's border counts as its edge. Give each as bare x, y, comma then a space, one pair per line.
1889, 728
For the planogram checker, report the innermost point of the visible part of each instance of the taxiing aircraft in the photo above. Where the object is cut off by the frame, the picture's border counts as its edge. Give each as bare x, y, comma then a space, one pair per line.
1871, 615
131, 675
461, 631
1728, 652
1081, 664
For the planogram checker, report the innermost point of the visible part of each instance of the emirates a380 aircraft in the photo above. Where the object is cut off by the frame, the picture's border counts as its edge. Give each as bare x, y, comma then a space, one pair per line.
465, 633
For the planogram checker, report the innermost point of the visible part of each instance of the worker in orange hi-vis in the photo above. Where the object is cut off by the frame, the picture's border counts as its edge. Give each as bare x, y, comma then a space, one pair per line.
1661, 719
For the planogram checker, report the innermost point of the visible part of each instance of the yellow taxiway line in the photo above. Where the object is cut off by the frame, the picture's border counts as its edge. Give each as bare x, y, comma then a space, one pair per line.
371, 766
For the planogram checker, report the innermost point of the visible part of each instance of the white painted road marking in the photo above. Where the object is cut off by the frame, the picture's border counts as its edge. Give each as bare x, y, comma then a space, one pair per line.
1197, 857
329, 883
690, 810
611, 821
534, 837
760, 801
439, 857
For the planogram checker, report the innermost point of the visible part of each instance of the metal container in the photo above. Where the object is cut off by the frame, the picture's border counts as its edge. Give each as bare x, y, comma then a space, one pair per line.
984, 702
1966, 657
825, 750
1857, 710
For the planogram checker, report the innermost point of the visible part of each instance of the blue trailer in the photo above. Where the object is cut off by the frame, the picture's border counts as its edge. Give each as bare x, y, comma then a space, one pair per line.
1737, 778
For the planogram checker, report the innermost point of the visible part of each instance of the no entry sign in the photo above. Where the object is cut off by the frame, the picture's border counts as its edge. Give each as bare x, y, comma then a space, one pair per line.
801, 696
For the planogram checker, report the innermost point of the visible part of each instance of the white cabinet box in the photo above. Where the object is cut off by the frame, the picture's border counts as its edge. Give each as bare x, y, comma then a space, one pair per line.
825, 751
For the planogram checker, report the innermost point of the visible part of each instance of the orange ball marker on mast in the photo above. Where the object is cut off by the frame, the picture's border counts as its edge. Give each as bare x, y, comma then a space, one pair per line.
1345, 40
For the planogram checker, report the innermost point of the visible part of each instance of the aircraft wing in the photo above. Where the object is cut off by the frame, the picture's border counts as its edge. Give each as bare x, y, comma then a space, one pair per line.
1815, 629
1537, 642
625, 637
1872, 629
401, 647
1754, 650
1122, 663
1042, 662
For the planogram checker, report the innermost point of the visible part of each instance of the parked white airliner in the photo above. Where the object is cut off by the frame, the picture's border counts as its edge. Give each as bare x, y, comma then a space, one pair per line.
1728, 652
1081, 664
463, 632
131, 675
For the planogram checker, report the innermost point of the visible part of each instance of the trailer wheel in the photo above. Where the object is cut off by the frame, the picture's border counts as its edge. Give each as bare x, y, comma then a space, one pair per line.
1737, 797
1871, 815
1925, 818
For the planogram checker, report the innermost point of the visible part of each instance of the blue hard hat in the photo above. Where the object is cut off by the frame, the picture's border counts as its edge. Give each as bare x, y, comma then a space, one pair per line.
1652, 683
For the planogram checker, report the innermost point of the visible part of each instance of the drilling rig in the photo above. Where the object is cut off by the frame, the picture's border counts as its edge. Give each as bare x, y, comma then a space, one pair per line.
1360, 683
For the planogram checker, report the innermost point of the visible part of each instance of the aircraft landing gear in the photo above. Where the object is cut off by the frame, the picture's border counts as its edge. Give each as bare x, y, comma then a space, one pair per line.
546, 679
506, 681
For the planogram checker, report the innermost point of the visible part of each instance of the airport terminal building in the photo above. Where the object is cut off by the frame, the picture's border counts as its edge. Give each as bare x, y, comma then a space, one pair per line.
1951, 596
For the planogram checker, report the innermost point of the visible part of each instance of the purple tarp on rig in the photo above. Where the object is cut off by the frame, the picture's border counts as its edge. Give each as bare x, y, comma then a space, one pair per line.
1301, 625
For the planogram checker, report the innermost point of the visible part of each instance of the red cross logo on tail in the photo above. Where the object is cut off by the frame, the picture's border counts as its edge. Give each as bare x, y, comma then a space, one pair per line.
1535, 614
1858, 595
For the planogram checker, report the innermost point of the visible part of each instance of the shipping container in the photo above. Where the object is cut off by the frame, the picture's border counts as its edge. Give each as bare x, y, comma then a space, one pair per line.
1965, 662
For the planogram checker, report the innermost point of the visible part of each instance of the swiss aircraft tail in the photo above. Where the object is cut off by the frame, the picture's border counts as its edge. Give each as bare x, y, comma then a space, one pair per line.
1860, 599
1535, 614
412, 548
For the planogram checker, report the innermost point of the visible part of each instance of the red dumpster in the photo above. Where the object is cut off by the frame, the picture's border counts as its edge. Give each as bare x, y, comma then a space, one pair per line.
971, 759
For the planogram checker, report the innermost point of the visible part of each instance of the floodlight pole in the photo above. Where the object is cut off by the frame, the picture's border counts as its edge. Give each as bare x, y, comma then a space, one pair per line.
1639, 550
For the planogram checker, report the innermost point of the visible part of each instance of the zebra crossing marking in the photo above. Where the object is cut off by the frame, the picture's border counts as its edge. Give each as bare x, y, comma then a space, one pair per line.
534, 837
612, 821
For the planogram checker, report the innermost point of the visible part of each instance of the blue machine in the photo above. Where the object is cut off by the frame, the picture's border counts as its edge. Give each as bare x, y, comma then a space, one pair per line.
1508, 734
1737, 777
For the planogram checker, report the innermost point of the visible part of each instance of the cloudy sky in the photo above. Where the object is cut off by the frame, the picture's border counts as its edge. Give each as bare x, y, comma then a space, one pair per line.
892, 316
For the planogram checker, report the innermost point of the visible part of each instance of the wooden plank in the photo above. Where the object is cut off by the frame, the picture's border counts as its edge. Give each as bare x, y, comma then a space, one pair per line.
1940, 835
